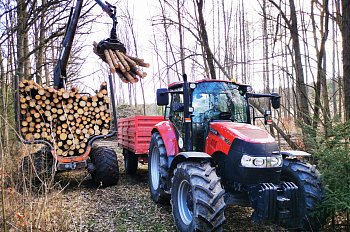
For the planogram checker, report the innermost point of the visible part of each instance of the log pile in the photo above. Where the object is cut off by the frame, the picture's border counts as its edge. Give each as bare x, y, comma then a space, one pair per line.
127, 67
66, 119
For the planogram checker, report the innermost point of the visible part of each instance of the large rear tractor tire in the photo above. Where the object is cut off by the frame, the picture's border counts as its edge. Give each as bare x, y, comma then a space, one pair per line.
130, 162
106, 170
36, 170
311, 192
158, 169
197, 198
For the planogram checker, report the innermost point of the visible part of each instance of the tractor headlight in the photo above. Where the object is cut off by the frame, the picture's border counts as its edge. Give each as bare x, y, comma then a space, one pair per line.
276, 161
261, 162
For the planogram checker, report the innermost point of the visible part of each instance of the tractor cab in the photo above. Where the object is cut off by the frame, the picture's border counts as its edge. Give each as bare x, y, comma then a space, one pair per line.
209, 101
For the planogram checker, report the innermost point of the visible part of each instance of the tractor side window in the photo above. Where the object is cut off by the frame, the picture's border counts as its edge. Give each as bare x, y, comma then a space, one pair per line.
167, 111
176, 112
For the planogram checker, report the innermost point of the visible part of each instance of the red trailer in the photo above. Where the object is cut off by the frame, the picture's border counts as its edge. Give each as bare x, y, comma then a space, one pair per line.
134, 136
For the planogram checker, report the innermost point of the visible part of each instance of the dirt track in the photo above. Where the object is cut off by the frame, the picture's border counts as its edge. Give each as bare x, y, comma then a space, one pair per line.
128, 207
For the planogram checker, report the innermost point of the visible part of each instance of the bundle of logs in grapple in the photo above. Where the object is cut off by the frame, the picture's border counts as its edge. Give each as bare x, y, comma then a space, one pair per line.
66, 119
127, 67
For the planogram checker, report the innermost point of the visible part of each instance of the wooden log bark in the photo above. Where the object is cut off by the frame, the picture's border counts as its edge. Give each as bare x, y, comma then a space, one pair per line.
126, 66
67, 119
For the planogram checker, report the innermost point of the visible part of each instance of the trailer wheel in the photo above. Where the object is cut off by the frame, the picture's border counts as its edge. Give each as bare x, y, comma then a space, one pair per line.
311, 192
106, 170
158, 169
36, 169
197, 198
130, 162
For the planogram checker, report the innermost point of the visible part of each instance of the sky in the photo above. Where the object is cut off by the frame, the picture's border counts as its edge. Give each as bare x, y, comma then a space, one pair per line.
142, 12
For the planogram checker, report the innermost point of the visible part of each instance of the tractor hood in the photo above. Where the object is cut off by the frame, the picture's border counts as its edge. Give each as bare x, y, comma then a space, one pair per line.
245, 132
238, 140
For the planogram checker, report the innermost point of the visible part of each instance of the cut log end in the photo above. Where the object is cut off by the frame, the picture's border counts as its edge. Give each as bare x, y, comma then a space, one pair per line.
66, 119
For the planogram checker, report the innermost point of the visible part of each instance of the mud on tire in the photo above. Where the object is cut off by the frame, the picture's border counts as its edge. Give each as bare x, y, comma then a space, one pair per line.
197, 198
311, 192
106, 169
158, 169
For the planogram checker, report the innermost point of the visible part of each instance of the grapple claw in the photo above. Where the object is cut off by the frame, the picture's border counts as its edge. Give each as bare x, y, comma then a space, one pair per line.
109, 44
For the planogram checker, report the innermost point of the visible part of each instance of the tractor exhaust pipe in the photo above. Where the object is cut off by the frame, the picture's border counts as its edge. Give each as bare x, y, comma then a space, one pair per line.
187, 116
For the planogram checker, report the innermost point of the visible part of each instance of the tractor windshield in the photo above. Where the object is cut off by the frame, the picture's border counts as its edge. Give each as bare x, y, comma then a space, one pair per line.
218, 101
213, 101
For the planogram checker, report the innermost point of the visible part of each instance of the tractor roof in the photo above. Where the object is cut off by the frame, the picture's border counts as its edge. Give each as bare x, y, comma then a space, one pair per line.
179, 84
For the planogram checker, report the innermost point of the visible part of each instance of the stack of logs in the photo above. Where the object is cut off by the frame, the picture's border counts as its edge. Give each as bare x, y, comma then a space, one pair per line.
66, 119
124, 65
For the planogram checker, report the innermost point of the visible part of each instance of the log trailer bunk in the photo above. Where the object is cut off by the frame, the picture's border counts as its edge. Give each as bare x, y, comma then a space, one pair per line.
207, 154
101, 162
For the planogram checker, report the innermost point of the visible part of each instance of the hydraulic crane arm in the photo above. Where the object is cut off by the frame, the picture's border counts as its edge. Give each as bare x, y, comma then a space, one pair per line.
60, 72
108, 8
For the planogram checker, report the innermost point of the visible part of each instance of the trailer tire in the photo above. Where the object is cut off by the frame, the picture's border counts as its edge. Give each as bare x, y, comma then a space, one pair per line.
130, 162
158, 169
36, 169
197, 197
311, 192
106, 170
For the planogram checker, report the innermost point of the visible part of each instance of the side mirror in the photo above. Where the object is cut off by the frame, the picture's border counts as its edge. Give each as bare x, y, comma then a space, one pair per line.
178, 107
162, 97
275, 100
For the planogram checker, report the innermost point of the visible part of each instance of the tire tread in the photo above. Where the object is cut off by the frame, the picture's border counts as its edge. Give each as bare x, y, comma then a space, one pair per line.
106, 171
208, 196
310, 183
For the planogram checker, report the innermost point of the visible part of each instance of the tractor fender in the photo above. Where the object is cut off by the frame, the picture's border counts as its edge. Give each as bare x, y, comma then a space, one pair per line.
167, 132
294, 154
185, 156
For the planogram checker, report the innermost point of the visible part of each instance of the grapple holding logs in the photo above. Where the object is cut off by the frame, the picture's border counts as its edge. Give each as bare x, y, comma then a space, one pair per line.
114, 54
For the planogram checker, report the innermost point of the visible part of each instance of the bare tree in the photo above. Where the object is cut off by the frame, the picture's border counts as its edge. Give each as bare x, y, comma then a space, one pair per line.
204, 39
344, 21
321, 71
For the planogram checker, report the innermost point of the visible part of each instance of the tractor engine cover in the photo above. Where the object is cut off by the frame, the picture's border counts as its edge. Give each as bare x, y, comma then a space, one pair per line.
230, 142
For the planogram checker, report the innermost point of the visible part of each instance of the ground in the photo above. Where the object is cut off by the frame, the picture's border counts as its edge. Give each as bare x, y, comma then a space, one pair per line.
128, 207
125, 207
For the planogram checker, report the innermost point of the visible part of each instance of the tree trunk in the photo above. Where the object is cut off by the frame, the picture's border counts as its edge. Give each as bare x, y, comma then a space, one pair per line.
321, 84
40, 53
302, 100
21, 9
3, 104
345, 29
182, 53
26, 56
204, 39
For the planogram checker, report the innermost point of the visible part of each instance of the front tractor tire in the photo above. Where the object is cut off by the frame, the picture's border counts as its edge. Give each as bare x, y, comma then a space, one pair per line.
105, 170
311, 192
158, 169
197, 198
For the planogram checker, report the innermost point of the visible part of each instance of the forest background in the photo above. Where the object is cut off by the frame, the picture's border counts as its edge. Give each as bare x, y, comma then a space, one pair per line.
298, 48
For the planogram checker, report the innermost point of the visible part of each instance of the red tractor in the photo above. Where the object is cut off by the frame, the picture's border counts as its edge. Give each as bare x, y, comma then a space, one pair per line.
207, 154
